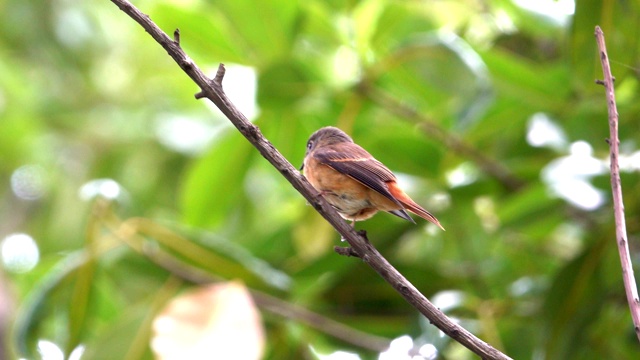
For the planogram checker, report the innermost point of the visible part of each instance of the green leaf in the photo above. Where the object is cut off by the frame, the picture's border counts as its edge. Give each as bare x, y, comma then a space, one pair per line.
573, 302
439, 74
213, 185
265, 30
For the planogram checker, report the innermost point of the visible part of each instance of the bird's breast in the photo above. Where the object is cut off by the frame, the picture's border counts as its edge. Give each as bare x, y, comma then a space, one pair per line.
350, 198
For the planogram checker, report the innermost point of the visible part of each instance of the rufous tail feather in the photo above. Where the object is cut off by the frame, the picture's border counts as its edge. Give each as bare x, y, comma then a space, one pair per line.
410, 205
418, 210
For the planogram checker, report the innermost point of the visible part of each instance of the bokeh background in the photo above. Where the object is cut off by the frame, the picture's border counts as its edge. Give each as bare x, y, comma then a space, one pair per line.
119, 191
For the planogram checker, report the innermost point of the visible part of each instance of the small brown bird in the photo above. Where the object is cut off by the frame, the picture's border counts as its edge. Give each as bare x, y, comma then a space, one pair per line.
354, 182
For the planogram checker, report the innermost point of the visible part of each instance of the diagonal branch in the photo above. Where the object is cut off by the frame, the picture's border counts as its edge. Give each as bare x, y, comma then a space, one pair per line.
616, 187
212, 90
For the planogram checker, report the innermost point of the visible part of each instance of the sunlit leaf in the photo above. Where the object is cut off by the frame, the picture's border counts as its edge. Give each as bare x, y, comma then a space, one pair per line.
217, 321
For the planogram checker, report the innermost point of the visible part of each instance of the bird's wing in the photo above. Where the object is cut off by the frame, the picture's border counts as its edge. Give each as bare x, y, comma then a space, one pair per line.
355, 162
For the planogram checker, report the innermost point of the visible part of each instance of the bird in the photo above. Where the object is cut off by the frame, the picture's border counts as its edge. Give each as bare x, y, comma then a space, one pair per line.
352, 181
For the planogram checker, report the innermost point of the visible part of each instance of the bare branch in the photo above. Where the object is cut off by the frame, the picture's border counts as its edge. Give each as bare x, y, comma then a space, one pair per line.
214, 92
616, 187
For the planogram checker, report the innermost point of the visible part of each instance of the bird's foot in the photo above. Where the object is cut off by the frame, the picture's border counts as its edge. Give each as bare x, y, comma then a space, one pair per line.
363, 233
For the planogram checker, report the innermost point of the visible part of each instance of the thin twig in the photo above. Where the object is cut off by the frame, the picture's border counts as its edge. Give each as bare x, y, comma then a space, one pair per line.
212, 89
345, 251
616, 188
176, 37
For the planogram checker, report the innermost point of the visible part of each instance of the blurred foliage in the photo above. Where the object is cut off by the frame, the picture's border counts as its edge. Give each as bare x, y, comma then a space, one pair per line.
107, 159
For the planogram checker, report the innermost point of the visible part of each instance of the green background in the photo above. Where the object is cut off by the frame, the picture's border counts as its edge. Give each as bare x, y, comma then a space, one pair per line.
86, 94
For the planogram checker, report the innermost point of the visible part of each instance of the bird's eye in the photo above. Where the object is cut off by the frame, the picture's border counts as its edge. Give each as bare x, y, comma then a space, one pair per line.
309, 144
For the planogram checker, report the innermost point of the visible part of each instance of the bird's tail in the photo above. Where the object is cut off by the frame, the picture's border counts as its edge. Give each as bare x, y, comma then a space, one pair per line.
411, 205
418, 210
